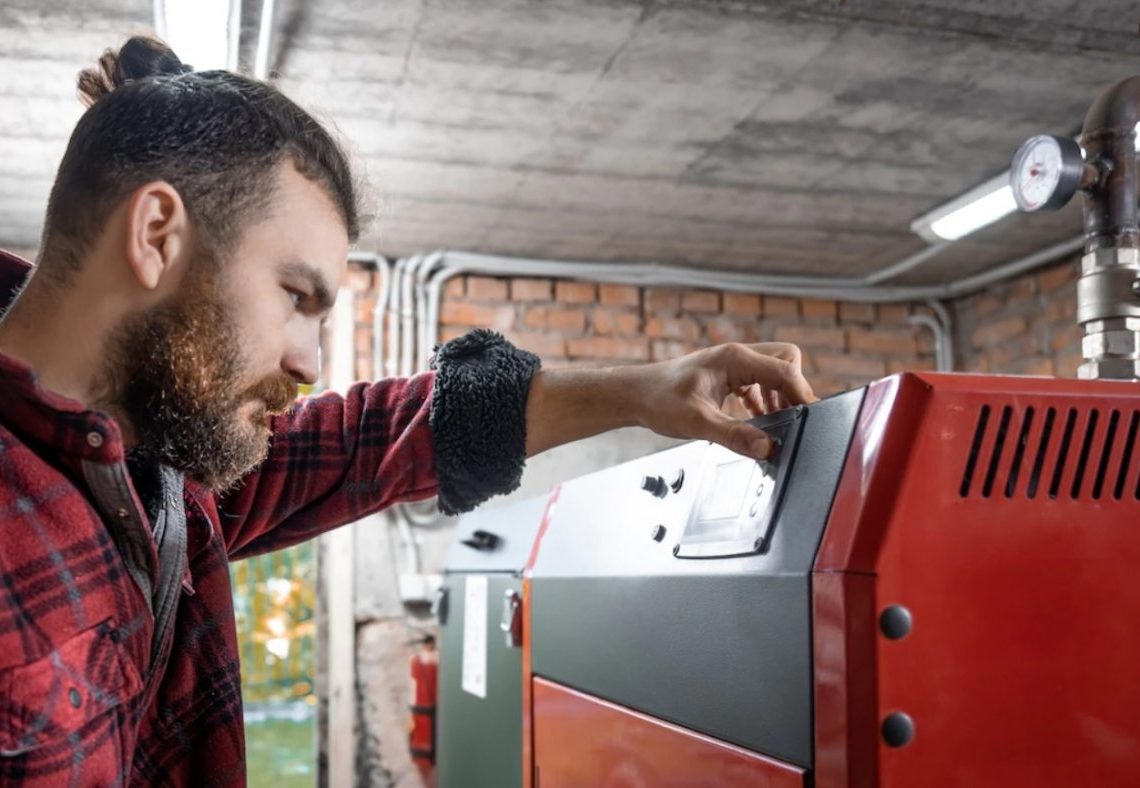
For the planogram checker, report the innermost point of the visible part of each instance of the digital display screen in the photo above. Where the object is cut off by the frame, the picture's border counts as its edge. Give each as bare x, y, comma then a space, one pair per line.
738, 497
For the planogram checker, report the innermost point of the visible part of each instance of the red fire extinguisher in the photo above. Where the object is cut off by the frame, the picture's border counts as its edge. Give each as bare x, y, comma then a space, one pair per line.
421, 727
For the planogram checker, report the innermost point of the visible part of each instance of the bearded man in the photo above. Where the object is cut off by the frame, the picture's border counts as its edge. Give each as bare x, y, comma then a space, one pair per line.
196, 233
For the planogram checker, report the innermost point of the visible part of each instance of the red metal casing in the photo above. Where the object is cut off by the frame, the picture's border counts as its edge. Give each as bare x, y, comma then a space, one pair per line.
1021, 665
625, 749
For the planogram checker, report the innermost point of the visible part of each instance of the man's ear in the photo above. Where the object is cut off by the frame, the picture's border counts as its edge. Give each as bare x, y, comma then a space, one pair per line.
157, 233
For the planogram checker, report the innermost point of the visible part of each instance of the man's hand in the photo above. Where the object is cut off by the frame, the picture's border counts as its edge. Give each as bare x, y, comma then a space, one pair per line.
681, 398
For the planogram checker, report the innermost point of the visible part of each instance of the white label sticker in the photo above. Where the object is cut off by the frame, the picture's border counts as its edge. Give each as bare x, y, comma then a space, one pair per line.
475, 636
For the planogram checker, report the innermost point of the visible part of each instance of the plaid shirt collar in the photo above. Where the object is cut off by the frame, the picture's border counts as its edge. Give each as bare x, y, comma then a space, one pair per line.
44, 416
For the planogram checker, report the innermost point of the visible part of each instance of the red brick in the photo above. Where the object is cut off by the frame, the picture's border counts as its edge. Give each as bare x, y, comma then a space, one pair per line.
887, 341
531, 289
360, 279
924, 340
775, 306
1061, 309
454, 289
568, 321
1055, 278
925, 364
465, 314
484, 288
1032, 366
851, 312
741, 304
610, 347
609, 321
893, 313
983, 305
1067, 365
811, 336
864, 369
1068, 338
662, 302
700, 301
543, 344
364, 309
1020, 290
664, 349
619, 295
448, 333
815, 308
673, 328
993, 333
363, 340
575, 292
726, 329
825, 386
534, 317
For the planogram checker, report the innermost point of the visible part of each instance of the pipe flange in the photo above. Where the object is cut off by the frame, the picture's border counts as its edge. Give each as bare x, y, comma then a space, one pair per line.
1110, 257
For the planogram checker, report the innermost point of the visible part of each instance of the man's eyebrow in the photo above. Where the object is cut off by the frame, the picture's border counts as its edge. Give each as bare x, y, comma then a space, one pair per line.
302, 270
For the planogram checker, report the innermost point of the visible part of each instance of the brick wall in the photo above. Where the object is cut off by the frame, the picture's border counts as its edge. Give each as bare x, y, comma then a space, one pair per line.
1025, 326
572, 323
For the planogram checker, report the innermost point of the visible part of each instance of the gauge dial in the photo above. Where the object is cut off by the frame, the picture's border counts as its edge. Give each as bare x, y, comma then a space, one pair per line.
1046, 172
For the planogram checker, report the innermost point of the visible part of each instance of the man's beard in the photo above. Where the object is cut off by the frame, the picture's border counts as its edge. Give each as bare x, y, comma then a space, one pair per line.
173, 374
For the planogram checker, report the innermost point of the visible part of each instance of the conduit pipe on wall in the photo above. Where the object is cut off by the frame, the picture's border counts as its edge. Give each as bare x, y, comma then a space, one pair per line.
451, 264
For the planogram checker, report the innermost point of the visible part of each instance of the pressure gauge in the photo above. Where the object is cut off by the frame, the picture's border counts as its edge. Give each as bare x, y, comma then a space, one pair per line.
1046, 173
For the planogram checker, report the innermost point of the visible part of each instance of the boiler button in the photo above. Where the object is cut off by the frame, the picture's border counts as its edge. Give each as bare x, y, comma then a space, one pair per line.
755, 508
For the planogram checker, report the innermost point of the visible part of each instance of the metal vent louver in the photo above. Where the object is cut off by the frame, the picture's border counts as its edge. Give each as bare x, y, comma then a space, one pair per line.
1009, 457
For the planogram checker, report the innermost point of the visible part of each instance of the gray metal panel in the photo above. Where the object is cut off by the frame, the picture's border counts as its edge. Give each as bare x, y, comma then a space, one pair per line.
722, 646
516, 524
479, 740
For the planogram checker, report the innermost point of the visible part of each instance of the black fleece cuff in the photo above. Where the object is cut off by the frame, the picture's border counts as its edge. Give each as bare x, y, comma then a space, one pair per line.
478, 418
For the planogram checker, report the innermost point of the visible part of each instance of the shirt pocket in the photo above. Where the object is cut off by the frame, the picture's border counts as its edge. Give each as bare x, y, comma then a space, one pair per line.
53, 697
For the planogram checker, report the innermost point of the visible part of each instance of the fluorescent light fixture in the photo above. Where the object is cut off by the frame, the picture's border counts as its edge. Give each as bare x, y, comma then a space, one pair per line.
972, 211
977, 208
203, 33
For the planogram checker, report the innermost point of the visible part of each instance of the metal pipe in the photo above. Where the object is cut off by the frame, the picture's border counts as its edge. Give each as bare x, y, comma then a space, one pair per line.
1108, 292
1109, 140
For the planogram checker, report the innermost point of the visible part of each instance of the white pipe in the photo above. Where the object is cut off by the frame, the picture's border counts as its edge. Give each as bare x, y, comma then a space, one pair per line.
935, 327
264, 39
234, 35
943, 315
408, 317
426, 342
392, 365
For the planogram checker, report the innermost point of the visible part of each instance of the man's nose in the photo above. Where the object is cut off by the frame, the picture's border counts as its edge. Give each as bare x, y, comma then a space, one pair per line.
302, 361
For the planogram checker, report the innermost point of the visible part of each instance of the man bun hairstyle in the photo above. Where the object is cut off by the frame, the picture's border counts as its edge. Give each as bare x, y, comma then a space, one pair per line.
215, 136
140, 57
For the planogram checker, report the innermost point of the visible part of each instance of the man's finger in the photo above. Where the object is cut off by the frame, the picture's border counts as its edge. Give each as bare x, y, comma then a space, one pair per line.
748, 366
739, 436
752, 398
771, 400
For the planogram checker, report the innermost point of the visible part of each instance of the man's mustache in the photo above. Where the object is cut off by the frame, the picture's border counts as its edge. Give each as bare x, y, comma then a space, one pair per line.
278, 392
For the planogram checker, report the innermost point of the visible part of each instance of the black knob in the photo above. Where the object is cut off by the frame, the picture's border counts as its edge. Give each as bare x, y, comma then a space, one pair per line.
655, 485
898, 729
679, 480
895, 622
658, 533
482, 540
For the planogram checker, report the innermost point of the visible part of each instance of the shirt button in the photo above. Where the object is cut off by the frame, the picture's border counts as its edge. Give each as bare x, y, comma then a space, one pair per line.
75, 698
123, 513
94, 439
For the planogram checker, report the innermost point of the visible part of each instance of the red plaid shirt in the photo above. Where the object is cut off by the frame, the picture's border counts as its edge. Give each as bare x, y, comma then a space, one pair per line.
75, 628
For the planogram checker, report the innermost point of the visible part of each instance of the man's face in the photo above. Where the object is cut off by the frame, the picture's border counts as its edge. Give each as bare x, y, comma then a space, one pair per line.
197, 376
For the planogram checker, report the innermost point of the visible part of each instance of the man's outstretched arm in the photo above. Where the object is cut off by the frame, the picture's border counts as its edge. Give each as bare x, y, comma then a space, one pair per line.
680, 398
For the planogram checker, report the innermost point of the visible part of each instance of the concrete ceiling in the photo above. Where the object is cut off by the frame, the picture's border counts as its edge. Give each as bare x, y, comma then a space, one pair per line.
777, 137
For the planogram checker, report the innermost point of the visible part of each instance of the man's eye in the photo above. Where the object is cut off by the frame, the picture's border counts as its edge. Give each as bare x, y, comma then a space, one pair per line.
295, 297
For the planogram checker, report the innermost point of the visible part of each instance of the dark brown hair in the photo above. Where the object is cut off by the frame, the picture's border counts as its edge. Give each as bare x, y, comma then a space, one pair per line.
215, 136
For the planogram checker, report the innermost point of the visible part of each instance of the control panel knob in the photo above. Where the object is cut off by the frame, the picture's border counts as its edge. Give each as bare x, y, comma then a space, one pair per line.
655, 485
